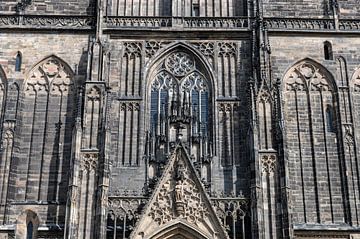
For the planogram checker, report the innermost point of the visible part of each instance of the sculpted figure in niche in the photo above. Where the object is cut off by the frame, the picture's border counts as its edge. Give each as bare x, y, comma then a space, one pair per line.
179, 191
179, 178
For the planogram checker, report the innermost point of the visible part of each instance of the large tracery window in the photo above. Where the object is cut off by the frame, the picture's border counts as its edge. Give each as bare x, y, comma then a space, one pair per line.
180, 96
180, 91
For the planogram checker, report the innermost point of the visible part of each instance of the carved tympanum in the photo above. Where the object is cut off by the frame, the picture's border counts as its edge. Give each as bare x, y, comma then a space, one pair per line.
179, 197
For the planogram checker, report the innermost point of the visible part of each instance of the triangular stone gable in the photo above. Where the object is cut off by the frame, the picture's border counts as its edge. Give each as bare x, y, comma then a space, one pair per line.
179, 205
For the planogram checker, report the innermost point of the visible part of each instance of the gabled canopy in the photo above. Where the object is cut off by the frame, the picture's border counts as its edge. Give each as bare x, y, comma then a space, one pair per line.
179, 206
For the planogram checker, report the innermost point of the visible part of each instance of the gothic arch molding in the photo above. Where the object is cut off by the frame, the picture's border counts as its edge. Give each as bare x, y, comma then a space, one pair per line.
153, 68
311, 109
153, 63
180, 86
2, 75
51, 71
180, 229
355, 80
3, 87
46, 104
310, 62
26, 217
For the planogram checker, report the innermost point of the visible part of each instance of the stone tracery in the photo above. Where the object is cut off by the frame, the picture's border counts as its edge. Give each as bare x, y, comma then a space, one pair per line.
181, 194
307, 76
179, 111
309, 92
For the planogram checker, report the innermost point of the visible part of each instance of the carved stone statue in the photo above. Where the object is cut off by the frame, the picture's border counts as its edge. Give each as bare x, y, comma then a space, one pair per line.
179, 191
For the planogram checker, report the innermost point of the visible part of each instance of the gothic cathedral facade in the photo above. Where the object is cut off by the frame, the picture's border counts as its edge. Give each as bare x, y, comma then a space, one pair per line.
179, 119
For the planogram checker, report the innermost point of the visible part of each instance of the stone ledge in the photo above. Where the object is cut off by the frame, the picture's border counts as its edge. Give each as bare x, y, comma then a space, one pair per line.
47, 22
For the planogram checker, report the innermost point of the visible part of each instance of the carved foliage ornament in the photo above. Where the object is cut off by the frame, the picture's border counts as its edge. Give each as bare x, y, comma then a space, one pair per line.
89, 162
307, 77
179, 197
268, 163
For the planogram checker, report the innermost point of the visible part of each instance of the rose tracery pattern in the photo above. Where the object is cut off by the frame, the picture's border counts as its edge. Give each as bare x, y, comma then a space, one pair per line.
179, 63
89, 162
268, 163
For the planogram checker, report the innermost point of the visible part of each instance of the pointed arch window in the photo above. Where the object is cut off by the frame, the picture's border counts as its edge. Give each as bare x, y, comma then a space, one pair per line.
328, 53
179, 91
180, 110
18, 61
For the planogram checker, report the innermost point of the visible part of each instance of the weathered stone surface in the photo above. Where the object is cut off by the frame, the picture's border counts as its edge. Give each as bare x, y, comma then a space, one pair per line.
264, 100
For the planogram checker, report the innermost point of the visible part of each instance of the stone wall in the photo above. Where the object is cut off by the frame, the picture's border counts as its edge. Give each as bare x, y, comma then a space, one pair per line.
312, 9
312, 135
38, 118
349, 9
296, 8
54, 7
192, 8
131, 67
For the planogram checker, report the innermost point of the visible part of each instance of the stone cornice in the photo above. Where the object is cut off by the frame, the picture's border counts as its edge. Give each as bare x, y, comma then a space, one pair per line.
233, 24
198, 24
35, 22
312, 24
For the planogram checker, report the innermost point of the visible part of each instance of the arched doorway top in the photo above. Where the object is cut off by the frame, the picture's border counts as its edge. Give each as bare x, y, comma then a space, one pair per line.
178, 230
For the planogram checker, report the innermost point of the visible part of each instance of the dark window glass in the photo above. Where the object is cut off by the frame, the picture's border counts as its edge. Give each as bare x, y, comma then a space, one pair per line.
330, 124
328, 54
196, 10
18, 62
29, 230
